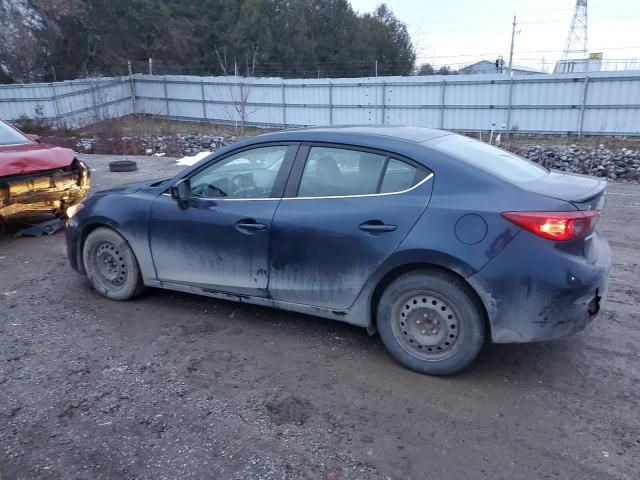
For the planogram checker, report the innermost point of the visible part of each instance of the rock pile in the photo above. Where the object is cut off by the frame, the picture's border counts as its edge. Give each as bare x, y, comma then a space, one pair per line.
184, 144
616, 164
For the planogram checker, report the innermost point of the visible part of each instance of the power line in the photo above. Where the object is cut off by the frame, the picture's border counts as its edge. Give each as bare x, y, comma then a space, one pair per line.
523, 51
454, 16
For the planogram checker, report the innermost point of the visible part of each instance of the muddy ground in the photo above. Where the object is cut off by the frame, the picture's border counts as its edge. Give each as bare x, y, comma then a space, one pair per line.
175, 386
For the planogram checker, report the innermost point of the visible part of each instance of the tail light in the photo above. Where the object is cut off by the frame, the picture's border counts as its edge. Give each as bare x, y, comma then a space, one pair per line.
556, 225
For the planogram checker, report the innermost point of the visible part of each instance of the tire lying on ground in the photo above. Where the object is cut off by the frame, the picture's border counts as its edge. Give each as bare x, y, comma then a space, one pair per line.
123, 166
431, 322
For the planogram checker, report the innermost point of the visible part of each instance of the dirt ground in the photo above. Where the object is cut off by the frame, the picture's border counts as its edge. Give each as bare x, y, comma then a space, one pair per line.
175, 386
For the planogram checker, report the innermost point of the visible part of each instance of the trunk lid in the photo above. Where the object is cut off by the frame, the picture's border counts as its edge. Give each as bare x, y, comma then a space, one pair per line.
585, 192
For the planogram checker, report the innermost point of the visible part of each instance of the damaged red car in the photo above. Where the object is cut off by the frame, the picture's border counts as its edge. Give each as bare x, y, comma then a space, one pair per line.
37, 179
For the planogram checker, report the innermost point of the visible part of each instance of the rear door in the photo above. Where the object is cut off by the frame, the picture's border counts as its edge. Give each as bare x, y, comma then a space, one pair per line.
345, 211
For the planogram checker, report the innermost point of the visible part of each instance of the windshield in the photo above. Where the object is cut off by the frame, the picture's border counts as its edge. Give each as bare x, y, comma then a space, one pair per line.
495, 160
10, 136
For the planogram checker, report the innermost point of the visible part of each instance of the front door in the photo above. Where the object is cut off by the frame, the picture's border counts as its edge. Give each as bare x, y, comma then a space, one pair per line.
351, 211
221, 239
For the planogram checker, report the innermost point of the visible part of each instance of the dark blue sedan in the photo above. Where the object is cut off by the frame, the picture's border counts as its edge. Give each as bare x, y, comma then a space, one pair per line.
435, 240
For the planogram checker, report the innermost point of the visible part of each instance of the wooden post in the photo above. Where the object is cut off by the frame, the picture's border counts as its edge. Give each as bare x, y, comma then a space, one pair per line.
133, 88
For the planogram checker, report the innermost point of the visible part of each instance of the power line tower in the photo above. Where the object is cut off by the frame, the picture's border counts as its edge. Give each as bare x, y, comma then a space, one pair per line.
576, 46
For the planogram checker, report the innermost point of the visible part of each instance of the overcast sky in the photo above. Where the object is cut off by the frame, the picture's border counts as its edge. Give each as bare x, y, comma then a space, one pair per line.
459, 32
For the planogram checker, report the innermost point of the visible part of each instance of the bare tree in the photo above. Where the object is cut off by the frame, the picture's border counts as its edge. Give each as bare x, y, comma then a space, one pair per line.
241, 87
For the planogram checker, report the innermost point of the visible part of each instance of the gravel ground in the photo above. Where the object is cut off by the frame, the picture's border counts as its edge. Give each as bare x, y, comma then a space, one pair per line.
175, 386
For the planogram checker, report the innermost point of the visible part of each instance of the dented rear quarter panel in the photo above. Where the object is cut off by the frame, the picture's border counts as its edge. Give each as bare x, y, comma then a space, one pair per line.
537, 291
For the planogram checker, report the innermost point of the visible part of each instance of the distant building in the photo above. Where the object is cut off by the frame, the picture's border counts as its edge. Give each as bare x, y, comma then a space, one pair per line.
485, 66
580, 65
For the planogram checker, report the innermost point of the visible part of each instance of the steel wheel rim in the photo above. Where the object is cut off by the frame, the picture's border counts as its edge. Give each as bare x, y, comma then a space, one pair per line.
426, 325
110, 266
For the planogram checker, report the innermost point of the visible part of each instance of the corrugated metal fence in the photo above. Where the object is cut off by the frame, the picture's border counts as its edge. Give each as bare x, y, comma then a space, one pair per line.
71, 103
597, 103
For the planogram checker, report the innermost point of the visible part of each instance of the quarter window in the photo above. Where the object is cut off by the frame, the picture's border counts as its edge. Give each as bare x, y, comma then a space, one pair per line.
398, 176
248, 174
331, 172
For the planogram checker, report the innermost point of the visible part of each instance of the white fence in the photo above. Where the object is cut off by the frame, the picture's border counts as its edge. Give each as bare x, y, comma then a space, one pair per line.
71, 103
596, 103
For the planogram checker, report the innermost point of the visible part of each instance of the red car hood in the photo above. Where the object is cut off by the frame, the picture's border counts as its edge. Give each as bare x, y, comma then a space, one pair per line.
33, 157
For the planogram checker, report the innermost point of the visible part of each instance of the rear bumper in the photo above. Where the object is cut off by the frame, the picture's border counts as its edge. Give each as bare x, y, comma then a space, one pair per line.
533, 291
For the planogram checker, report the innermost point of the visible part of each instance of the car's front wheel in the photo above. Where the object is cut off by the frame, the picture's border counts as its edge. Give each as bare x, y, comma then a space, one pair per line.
431, 322
111, 265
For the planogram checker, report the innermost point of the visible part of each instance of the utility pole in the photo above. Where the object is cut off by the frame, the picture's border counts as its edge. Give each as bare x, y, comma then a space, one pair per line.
513, 37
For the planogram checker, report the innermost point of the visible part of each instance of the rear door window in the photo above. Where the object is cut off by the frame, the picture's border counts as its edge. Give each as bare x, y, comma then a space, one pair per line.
331, 172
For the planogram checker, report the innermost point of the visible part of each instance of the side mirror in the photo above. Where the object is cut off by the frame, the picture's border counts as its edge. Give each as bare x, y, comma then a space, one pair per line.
181, 192
33, 137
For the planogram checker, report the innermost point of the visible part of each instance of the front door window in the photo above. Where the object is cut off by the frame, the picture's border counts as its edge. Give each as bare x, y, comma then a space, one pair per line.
248, 174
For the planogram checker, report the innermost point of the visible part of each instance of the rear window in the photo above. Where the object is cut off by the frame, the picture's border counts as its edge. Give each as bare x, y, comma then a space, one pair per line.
492, 159
10, 136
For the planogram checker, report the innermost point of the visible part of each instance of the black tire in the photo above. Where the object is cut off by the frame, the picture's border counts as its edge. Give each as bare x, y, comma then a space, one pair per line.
123, 166
431, 322
111, 265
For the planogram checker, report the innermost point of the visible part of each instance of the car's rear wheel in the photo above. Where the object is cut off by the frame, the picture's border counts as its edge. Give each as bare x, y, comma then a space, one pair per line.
111, 265
431, 322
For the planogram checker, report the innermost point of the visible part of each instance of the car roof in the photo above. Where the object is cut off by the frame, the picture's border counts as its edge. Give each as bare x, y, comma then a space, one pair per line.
406, 133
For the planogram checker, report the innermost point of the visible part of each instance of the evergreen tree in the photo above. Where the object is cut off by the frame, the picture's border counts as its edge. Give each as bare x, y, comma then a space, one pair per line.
288, 38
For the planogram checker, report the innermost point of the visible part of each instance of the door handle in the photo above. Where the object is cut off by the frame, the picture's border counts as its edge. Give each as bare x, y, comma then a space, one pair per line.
376, 226
250, 225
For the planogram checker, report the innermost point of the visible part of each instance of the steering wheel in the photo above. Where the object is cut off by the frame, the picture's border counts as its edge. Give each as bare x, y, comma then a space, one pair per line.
244, 185
215, 189
208, 190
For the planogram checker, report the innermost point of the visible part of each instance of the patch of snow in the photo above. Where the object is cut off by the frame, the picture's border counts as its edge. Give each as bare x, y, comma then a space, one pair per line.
193, 159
